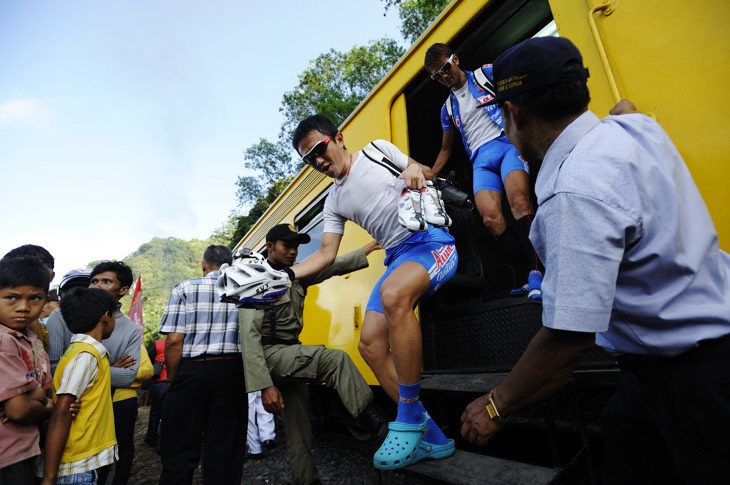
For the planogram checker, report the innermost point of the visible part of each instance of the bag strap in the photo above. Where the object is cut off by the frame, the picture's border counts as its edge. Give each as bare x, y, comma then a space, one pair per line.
373, 153
450, 110
483, 81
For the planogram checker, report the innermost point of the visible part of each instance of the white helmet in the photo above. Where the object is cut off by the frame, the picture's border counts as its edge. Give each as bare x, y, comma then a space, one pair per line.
251, 282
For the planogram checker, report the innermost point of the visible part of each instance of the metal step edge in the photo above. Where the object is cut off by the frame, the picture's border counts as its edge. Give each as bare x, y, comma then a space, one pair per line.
465, 468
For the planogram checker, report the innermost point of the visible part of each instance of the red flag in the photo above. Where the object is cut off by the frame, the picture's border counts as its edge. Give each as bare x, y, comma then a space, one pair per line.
135, 309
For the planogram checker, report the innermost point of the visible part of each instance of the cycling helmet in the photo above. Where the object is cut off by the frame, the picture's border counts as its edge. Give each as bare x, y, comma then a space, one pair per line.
250, 282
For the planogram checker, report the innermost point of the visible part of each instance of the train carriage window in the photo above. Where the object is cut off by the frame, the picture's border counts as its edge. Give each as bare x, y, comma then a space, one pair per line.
310, 221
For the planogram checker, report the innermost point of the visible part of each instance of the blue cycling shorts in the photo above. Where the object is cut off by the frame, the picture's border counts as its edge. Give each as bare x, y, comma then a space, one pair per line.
495, 158
433, 249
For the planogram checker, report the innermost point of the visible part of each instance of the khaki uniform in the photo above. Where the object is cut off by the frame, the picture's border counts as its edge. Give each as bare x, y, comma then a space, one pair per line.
281, 360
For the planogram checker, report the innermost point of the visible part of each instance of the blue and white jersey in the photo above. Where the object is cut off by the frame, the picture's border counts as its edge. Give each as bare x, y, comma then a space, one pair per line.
476, 125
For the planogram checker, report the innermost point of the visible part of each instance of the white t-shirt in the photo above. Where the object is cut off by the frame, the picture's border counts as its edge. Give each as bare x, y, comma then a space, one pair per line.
477, 125
368, 196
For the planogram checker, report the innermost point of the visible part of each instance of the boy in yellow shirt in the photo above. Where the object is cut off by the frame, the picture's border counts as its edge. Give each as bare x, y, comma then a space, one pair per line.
77, 449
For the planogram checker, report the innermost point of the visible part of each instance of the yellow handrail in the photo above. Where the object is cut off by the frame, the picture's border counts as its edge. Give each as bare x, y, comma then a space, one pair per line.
607, 8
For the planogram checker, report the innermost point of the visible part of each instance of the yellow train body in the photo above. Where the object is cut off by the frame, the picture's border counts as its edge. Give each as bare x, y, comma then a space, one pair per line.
672, 58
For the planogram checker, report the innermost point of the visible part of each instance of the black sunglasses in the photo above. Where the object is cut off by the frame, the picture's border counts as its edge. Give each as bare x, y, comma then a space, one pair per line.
444, 69
310, 158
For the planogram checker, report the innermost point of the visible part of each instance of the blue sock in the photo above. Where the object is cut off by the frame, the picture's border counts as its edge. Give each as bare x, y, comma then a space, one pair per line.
408, 411
434, 435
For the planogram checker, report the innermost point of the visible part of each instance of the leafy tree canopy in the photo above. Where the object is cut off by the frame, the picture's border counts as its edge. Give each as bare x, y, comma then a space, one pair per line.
336, 82
416, 15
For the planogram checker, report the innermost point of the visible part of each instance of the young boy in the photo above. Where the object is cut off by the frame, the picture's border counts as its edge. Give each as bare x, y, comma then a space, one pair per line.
76, 450
24, 367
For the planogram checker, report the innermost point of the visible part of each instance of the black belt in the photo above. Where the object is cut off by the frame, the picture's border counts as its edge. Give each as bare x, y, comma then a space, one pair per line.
268, 340
207, 357
647, 367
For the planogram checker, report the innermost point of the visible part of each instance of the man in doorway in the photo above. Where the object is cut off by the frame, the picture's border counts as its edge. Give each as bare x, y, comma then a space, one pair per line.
497, 166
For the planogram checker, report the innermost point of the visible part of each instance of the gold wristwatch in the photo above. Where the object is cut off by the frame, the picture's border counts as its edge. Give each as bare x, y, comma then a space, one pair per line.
492, 410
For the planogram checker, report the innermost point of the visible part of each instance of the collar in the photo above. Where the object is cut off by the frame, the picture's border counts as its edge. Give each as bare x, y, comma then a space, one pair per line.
559, 151
82, 337
13, 332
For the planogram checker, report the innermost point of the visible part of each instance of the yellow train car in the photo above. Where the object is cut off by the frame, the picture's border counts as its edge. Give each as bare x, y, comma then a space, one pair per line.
670, 57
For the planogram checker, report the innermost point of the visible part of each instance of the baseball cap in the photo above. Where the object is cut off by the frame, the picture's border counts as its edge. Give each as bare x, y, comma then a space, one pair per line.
75, 277
534, 63
286, 232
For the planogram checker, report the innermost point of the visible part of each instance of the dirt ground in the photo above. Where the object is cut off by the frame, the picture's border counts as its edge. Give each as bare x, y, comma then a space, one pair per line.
146, 467
339, 459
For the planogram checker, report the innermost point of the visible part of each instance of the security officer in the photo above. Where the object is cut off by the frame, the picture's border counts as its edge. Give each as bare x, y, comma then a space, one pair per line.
276, 363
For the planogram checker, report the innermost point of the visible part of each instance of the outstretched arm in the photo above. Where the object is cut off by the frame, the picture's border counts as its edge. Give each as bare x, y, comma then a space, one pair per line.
322, 258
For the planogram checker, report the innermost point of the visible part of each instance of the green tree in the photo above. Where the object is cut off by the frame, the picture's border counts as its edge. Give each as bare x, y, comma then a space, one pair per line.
336, 82
245, 222
416, 15
271, 162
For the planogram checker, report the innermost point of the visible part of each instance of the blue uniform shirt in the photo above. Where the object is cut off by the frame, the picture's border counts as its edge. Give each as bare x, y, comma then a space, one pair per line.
629, 247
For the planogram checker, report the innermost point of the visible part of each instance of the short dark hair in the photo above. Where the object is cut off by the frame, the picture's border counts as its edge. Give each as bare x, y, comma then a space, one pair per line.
123, 272
82, 308
217, 255
436, 52
556, 101
24, 272
312, 123
32, 251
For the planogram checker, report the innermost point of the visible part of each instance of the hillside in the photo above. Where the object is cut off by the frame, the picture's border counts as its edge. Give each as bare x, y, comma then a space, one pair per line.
163, 263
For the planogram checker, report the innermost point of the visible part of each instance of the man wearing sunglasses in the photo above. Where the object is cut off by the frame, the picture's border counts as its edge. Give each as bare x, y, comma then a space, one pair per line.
417, 265
497, 166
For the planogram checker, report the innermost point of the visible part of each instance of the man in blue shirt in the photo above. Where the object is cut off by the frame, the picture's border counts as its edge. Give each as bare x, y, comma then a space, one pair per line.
619, 213
496, 164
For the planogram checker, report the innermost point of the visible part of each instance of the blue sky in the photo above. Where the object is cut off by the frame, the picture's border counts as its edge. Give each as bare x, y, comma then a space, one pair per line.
124, 121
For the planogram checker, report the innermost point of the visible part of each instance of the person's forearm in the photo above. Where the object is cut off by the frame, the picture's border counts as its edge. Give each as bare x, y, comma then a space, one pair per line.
545, 367
58, 430
173, 356
313, 264
441, 160
24, 410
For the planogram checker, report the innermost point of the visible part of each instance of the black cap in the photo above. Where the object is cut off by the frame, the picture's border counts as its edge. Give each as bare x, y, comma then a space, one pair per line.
532, 64
286, 232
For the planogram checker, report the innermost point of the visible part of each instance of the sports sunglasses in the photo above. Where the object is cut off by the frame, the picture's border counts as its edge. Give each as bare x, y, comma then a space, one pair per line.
444, 69
310, 158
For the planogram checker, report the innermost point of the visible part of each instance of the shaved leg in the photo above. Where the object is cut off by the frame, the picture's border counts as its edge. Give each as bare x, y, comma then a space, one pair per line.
517, 187
489, 205
399, 293
374, 346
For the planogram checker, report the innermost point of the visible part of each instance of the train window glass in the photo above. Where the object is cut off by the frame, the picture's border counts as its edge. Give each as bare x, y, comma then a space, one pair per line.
310, 222
315, 231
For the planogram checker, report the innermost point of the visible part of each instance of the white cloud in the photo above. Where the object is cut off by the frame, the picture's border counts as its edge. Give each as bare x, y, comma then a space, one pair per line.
23, 110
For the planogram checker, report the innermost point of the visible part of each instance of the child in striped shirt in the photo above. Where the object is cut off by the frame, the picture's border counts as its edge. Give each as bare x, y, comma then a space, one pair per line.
77, 449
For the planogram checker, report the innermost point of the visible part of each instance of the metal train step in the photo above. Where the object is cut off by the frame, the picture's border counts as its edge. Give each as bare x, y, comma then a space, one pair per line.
465, 468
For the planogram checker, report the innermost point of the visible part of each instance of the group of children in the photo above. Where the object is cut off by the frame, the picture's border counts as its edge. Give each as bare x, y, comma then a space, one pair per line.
68, 414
